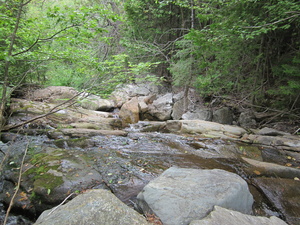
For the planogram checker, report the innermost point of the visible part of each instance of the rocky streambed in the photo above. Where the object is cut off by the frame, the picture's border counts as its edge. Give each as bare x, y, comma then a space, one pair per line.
76, 149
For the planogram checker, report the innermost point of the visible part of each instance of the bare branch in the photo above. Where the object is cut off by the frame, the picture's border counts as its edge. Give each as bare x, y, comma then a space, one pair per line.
278, 21
58, 32
17, 187
28, 49
7, 128
26, 3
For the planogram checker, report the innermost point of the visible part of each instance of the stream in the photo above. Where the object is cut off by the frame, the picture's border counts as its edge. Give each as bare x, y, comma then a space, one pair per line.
126, 164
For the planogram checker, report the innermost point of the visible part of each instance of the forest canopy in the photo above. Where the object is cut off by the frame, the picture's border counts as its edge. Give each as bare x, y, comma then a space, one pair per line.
243, 48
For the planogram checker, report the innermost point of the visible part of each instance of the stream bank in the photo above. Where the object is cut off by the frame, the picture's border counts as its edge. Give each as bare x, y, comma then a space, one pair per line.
78, 149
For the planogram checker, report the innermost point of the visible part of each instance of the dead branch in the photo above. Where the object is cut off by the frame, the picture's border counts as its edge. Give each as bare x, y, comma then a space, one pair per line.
52, 111
61, 203
280, 112
7, 128
17, 187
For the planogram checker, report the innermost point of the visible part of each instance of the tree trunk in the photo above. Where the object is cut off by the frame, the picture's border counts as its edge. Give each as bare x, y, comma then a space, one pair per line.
7, 62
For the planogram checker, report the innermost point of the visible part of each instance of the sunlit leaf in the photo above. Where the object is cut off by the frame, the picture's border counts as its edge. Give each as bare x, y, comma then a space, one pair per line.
257, 172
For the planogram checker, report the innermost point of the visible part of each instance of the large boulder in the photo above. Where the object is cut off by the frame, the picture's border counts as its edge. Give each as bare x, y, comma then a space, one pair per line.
49, 175
178, 106
247, 120
124, 93
180, 195
93, 102
53, 94
199, 114
129, 113
161, 108
223, 115
93, 207
229, 217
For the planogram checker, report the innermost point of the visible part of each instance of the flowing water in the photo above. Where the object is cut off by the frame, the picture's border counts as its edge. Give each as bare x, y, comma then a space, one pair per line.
127, 164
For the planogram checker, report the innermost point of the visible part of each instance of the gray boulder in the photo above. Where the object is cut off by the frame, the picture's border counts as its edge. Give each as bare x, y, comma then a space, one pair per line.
52, 94
229, 217
93, 102
161, 108
178, 106
247, 120
223, 115
180, 195
123, 93
93, 207
199, 114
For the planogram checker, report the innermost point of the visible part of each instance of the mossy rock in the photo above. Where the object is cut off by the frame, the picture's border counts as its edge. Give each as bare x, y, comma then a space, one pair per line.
54, 172
47, 182
75, 142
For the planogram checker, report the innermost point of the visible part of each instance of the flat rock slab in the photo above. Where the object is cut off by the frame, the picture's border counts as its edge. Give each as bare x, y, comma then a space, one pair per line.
272, 169
181, 195
204, 127
228, 217
291, 142
93, 207
83, 132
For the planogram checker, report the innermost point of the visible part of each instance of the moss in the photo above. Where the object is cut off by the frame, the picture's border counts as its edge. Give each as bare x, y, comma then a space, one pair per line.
46, 182
77, 142
250, 151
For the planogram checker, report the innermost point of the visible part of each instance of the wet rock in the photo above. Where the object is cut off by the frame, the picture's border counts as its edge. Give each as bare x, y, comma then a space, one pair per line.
7, 137
179, 196
99, 124
223, 116
284, 194
82, 142
13, 219
129, 113
161, 108
81, 132
272, 169
229, 217
92, 207
49, 175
